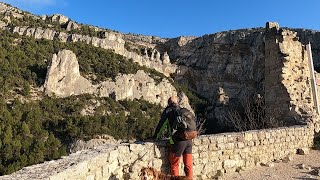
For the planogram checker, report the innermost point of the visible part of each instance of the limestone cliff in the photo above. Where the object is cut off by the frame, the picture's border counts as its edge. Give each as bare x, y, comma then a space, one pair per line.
64, 79
221, 67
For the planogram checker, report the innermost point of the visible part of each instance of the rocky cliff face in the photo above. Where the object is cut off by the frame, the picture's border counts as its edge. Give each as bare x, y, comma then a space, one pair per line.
221, 67
231, 65
63, 76
63, 79
231, 60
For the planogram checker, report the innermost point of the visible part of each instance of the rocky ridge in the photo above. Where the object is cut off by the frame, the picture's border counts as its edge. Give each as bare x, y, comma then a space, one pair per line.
145, 55
63, 79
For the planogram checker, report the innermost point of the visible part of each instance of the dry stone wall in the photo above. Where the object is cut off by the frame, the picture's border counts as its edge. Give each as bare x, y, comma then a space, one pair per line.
212, 154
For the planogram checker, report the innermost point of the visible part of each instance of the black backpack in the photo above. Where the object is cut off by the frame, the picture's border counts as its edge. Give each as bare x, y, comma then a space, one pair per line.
185, 123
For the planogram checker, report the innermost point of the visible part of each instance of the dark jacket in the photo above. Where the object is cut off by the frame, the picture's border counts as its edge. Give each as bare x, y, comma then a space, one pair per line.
166, 122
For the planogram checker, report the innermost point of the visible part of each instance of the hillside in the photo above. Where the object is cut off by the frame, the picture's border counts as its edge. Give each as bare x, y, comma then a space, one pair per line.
63, 81
38, 124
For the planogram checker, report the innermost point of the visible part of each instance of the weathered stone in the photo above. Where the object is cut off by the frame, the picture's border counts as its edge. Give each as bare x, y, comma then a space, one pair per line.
287, 159
228, 164
268, 164
303, 151
61, 19
64, 79
302, 166
72, 26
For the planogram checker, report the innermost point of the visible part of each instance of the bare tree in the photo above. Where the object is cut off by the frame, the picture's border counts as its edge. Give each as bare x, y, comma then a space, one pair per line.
201, 125
252, 113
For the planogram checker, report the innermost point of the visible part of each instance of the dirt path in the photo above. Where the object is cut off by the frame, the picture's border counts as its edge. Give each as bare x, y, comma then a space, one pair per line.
282, 170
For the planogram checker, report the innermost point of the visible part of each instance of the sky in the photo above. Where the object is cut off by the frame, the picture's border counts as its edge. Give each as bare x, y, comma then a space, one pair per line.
173, 18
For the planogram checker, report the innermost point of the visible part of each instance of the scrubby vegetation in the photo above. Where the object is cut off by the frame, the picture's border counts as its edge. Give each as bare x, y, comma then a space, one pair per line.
35, 131
25, 60
30, 21
316, 141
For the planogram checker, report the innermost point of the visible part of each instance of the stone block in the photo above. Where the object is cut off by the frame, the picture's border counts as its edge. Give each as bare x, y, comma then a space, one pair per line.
98, 174
205, 140
136, 147
98, 161
203, 147
113, 156
240, 138
108, 169
157, 152
90, 177
196, 141
213, 147
240, 145
248, 136
157, 163
229, 146
228, 164
213, 156
250, 143
204, 155
268, 135
221, 146
219, 139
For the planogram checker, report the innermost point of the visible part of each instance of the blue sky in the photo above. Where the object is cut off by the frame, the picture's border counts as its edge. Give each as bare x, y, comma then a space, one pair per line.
172, 18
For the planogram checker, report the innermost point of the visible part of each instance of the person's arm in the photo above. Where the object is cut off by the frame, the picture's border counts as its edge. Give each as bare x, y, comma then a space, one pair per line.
163, 123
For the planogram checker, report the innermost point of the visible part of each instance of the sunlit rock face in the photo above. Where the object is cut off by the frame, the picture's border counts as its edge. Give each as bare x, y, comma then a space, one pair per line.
64, 79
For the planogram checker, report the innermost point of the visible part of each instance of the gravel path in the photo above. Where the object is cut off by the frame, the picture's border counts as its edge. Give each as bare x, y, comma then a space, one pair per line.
282, 170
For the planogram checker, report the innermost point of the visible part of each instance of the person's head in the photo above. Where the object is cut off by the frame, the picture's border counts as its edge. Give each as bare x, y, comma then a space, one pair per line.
173, 100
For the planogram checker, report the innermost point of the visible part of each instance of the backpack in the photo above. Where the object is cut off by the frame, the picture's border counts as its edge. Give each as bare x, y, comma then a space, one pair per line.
185, 124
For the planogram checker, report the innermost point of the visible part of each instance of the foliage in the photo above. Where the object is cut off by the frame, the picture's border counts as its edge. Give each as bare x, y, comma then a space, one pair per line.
32, 22
38, 131
24, 61
316, 141
132, 48
23, 140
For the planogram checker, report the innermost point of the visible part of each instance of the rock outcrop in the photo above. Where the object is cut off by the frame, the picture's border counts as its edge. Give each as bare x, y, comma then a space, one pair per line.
111, 40
229, 66
64, 79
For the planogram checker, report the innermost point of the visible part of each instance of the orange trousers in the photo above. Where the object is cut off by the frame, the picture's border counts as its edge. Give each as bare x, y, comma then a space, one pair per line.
174, 164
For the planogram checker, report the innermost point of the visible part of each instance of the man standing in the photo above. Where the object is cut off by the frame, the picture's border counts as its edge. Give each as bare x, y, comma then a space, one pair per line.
178, 146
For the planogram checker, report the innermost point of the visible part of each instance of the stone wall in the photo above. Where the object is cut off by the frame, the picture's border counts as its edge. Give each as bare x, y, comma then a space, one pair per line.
212, 154
287, 76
